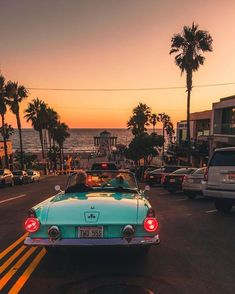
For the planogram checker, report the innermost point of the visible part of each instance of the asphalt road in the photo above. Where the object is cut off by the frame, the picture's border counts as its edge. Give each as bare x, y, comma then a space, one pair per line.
196, 255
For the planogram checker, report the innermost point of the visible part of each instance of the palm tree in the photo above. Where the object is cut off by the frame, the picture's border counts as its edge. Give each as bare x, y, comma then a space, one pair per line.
15, 95
52, 119
164, 119
3, 110
36, 112
153, 120
60, 135
139, 120
189, 46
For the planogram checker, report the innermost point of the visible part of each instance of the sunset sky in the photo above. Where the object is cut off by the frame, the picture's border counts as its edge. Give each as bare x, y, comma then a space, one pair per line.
113, 44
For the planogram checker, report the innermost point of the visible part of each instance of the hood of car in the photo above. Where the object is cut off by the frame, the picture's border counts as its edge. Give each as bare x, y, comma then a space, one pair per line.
93, 208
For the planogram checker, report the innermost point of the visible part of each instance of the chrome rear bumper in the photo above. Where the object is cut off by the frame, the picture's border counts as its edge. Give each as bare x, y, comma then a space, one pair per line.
137, 241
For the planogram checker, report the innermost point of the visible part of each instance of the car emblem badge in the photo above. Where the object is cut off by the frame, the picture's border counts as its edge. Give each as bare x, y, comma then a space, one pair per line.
91, 217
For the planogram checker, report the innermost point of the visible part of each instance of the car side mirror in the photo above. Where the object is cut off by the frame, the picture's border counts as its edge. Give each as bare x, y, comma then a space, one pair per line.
147, 188
57, 188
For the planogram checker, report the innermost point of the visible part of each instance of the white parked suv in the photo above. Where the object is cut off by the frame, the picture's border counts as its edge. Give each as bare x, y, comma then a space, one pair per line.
220, 178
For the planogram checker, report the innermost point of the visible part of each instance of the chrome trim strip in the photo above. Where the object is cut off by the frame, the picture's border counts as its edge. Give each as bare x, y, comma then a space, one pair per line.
93, 242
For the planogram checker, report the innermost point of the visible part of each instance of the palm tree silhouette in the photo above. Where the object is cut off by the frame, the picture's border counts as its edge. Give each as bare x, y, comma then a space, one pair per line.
154, 120
15, 95
36, 113
3, 110
189, 46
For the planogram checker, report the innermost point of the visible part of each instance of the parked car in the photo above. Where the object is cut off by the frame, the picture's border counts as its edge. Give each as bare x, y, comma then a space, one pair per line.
6, 177
156, 176
220, 178
34, 176
104, 166
139, 173
193, 183
106, 215
173, 182
20, 177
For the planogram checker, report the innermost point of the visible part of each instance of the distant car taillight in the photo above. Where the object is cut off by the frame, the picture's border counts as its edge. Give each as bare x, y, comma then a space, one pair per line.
150, 224
185, 178
151, 212
205, 178
163, 179
32, 224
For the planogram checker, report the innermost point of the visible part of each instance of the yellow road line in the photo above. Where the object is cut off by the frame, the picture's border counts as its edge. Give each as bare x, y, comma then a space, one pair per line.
11, 259
27, 273
12, 246
15, 267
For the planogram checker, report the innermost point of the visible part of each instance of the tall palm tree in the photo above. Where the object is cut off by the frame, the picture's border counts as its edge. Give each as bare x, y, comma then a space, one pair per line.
61, 134
189, 46
3, 110
164, 119
36, 113
16, 94
154, 120
139, 120
52, 120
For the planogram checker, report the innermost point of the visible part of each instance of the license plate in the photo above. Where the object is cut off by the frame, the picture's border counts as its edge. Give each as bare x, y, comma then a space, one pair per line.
90, 232
172, 180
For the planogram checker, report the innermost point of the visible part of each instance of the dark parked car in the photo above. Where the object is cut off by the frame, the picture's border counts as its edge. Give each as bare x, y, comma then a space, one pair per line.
104, 166
21, 177
173, 182
6, 177
139, 173
156, 176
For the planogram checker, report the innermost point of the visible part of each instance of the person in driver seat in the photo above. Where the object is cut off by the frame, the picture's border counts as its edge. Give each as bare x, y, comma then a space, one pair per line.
80, 185
119, 181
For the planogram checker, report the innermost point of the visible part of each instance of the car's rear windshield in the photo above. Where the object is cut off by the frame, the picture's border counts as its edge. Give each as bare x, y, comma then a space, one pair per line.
17, 173
170, 169
223, 158
183, 171
200, 171
104, 166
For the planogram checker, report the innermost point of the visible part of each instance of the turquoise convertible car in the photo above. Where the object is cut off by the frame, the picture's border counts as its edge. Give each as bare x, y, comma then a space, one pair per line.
109, 214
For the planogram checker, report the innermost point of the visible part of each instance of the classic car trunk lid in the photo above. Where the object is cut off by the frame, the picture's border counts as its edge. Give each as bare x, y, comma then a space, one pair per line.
93, 209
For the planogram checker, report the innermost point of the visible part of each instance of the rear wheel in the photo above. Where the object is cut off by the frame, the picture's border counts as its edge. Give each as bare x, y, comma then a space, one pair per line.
224, 205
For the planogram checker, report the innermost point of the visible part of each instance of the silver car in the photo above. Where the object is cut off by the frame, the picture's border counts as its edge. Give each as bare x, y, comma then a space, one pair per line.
193, 183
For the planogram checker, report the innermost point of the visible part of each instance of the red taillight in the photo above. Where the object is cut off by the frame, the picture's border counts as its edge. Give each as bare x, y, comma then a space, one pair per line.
150, 224
32, 224
104, 165
185, 178
205, 178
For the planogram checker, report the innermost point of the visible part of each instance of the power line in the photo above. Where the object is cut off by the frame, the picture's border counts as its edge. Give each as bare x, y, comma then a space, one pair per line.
126, 89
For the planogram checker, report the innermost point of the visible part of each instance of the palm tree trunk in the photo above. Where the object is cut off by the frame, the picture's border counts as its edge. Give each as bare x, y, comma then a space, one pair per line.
163, 145
5, 141
188, 137
41, 141
21, 142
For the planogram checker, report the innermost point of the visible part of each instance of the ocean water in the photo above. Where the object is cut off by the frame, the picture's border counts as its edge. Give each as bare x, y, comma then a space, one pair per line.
80, 140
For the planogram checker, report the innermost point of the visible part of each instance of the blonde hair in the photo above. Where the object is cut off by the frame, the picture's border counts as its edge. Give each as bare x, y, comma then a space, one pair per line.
81, 177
